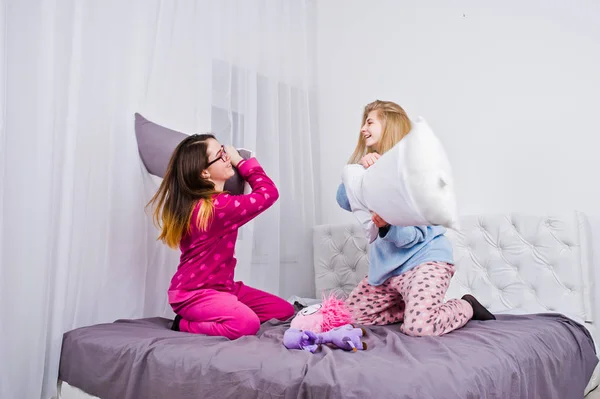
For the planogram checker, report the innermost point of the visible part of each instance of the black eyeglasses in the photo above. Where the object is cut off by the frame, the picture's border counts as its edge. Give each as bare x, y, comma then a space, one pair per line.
222, 157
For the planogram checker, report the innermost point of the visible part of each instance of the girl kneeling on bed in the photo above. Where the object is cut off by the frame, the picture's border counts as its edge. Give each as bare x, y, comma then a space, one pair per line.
409, 267
196, 215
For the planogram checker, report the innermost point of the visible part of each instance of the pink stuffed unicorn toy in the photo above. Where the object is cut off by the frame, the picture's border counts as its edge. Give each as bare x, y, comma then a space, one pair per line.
326, 323
331, 313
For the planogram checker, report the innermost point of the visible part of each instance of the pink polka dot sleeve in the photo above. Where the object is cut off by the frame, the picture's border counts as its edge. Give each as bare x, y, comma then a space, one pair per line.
233, 211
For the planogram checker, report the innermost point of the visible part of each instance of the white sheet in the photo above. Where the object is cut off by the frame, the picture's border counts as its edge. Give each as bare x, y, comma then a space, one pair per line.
66, 391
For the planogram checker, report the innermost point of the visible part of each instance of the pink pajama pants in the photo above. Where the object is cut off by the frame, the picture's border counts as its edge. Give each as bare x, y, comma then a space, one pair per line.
231, 314
415, 297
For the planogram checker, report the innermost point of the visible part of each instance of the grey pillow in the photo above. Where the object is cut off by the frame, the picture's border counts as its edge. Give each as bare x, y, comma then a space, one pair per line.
156, 144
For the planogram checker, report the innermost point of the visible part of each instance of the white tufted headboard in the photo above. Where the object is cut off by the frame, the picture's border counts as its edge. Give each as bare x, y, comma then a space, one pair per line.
512, 263
340, 258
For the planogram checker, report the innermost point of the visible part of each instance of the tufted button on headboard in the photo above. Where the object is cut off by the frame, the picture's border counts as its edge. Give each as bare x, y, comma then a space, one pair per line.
513, 263
340, 258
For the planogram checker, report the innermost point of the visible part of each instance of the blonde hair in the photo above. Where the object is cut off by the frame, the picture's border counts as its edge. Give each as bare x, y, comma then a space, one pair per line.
181, 189
395, 126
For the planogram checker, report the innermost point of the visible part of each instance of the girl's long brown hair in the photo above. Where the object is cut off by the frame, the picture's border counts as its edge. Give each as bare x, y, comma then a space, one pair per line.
181, 189
395, 125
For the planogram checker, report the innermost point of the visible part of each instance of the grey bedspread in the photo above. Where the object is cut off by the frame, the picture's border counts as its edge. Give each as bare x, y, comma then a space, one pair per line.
532, 356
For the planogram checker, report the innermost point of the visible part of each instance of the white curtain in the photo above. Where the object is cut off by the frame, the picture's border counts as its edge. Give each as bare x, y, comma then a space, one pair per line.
76, 247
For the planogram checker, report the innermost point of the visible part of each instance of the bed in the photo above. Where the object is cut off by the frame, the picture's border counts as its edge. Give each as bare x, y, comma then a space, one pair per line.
534, 272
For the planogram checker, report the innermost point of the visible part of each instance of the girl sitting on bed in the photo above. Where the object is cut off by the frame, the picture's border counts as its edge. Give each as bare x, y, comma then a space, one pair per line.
409, 267
196, 215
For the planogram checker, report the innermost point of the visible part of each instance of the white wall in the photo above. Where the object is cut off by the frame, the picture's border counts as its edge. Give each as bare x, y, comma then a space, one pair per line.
512, 88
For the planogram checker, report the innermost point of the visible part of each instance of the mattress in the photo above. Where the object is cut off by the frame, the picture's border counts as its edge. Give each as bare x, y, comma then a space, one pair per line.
537, 355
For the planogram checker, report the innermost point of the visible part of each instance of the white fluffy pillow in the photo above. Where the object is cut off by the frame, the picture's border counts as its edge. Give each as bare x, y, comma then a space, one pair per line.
410, 185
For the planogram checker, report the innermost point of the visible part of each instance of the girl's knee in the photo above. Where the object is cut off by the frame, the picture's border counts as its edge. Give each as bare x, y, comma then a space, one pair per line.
364, 318
423, 325
242, 326
285, 312
419, 330
279, 309
251, 327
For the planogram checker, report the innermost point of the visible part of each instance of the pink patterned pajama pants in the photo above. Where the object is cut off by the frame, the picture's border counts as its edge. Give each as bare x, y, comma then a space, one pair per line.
415, 297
